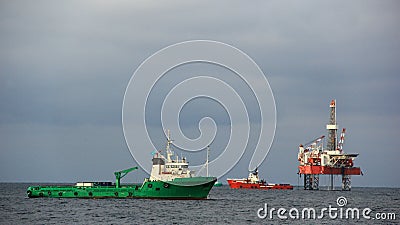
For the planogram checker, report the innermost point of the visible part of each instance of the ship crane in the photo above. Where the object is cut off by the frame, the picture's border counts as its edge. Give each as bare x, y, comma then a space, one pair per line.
121, 174
314, 160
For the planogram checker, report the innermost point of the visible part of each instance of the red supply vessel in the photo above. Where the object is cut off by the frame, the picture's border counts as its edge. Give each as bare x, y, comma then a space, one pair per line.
254, 182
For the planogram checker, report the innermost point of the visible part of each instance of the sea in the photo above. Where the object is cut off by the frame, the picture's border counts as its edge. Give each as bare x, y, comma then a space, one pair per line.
223, 206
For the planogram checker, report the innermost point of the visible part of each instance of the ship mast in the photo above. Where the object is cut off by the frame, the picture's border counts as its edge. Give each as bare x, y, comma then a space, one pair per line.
208, 152
169, 142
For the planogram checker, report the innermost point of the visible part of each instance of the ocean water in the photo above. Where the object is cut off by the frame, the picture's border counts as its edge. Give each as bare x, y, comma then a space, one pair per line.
224, 206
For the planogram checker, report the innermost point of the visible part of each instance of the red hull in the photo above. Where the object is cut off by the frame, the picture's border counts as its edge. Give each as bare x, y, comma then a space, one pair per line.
308, 169
245, 184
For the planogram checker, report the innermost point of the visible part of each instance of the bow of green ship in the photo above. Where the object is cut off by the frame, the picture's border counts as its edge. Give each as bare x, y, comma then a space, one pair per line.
179, 188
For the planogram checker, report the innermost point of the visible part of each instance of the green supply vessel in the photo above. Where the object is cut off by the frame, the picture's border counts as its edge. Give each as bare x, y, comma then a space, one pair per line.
169, 179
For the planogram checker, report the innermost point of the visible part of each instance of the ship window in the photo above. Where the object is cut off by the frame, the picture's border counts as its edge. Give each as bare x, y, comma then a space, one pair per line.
185, 166
167, 166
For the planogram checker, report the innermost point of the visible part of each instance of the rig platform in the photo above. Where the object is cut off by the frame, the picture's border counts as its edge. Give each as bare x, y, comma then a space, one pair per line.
315, 160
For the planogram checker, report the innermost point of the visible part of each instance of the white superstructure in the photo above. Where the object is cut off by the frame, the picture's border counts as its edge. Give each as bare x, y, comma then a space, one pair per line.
170, 167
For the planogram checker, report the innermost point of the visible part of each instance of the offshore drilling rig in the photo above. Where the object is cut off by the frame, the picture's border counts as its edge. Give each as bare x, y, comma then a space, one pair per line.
315, 160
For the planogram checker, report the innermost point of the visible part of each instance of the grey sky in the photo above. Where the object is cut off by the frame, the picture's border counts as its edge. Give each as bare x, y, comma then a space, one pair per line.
64, 67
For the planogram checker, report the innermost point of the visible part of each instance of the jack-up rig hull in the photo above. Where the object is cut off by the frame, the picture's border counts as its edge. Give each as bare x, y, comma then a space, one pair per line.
169, 179
314, 160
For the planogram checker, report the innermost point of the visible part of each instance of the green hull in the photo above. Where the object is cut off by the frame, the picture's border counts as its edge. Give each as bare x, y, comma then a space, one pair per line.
179, 188
218, 184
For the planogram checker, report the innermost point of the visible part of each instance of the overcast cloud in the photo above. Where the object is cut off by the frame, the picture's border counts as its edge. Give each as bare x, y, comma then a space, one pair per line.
64, 67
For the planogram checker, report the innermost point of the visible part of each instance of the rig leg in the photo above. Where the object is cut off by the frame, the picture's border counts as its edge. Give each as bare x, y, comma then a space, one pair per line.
311, 181
307, 182
346, 182
315, 183
331, 187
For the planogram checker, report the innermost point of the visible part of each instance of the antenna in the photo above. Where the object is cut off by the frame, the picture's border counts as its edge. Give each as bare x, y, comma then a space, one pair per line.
208, 152
169, 141
205, 165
